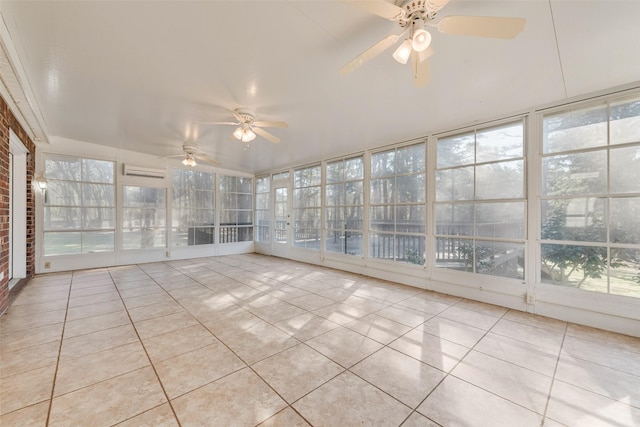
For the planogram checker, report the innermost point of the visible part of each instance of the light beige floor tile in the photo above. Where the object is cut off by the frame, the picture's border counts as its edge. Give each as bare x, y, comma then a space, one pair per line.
311, 301
482, 307
89, 282
160, 416
457, 403
348, 401
76, 373
27, 359
188, 371
79, 301
277, 312
165, 346
97, 341
435, 351
152, 311
149, 299
470, 318
551, 325
31, 416
33, 309
39, 295
536, 358
424, 304
344, 346
529, 334
11, 322
11, 341
259, 342
512, 382
453, 331
83, 292
134, 282
296, 371
149, 288
611, 339
418, 420
239, 320
28, 388
162, 325
378, 328
108, 402
602, 354
224, 402
87, 325
254, 300
306, 326
403, 377
575, 406
91, 310
285, 418
614, 384
340, 313
405, 315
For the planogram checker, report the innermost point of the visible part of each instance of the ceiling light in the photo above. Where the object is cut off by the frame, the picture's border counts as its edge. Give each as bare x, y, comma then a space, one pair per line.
244, 134
189, 160
421, 40
403, 52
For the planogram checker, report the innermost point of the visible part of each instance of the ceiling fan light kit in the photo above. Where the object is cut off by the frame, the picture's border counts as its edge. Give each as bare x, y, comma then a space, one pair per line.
248, 127
414, 16
244, 134
189, 160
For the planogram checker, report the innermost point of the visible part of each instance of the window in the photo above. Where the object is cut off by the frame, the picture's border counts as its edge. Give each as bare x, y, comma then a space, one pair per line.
192, 214
236, 209
344, 203
397, 204
306, 207
480, 201
590, 218
263, 218
143, 218
79, 212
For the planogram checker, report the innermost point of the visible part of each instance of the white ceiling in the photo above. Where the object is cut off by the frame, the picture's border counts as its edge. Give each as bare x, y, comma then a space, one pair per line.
142, 75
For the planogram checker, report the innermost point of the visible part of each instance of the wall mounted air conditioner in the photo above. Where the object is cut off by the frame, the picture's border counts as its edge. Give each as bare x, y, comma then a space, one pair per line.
131, 170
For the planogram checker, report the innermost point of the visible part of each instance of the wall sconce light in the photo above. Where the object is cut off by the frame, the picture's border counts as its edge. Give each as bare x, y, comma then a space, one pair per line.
42, 183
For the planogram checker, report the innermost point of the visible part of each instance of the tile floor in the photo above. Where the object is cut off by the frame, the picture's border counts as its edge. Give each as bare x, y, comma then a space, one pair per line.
254, 340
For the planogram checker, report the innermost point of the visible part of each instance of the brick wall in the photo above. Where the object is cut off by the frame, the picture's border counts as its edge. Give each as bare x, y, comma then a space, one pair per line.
8, 121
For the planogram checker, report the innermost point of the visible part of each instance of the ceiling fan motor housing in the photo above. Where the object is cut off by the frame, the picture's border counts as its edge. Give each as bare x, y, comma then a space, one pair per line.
248, 116
418, 9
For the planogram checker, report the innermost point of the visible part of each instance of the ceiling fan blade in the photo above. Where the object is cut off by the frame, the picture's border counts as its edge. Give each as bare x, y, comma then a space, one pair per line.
220, 123
207, 159
370, 53
382, 8
271, 124
421, 70
483, 26
237, 116
436, 5
266, 135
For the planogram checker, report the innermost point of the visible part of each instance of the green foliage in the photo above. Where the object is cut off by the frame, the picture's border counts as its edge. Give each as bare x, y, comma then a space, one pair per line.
484, 257
559, 262
412, 256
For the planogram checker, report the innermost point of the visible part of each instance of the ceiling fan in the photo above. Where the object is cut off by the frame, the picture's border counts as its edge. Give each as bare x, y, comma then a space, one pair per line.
190, 153
414, 16
248, 126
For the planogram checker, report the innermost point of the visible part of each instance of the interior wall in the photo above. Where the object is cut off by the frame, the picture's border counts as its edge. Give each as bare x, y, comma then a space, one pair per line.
9, 122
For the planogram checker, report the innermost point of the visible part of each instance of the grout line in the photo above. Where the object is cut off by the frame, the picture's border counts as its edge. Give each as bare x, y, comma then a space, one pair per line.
553, 379
55, 374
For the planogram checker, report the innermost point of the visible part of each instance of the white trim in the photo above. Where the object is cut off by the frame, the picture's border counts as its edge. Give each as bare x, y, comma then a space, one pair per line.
18, 209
